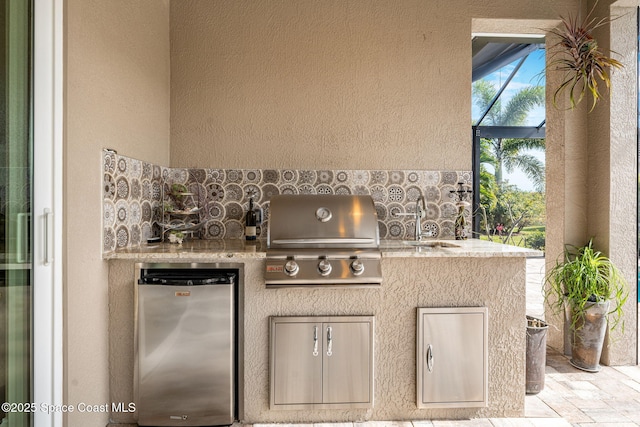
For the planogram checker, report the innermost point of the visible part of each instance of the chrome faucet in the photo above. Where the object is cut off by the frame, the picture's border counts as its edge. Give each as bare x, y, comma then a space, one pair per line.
421, 212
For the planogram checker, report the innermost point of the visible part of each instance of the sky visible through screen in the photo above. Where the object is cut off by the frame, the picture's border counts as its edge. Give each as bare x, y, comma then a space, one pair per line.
530, 74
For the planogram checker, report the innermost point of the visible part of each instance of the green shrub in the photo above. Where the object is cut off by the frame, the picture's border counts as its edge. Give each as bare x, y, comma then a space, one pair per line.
535, 240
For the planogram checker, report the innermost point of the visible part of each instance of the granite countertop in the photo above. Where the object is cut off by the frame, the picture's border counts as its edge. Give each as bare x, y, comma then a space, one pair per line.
453, 248
237, 248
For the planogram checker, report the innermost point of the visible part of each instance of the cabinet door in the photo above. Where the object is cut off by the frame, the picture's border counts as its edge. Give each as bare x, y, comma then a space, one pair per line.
348, 362
452, 357
296, 362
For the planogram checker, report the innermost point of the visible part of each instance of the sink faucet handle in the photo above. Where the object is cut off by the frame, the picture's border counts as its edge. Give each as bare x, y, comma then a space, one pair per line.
421, 207
400, 214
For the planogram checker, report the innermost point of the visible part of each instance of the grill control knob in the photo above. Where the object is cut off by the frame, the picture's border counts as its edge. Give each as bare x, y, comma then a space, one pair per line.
324, 267
291, 268
357, 267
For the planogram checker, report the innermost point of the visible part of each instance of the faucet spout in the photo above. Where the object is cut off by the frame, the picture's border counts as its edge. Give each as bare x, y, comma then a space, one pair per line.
421, 212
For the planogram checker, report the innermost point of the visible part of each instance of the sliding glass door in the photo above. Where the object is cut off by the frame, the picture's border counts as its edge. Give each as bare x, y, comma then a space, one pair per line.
15, 212
30, 194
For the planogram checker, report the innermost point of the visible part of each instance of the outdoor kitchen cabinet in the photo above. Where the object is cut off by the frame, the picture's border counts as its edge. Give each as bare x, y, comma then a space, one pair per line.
321, 362
452, 351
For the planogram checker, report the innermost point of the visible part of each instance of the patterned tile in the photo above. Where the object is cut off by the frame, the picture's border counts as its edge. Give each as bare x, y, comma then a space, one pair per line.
136, 193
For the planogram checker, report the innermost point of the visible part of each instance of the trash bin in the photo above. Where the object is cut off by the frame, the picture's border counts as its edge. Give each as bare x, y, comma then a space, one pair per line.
536, 354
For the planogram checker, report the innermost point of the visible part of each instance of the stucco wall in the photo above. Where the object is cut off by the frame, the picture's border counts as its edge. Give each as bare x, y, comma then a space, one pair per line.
566, 184
117, 96
612, 145
331, 84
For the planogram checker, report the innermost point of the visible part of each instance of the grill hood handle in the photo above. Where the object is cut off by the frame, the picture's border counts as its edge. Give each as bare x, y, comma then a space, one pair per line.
311, 241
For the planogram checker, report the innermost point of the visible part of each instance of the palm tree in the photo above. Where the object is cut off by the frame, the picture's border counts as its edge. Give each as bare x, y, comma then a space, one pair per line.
509, 153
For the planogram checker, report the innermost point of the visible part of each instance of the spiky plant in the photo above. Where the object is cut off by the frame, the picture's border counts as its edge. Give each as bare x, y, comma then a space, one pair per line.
580, 58
584, 277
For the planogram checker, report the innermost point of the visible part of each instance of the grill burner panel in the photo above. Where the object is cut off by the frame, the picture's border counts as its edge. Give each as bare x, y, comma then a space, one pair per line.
323, 240
357, 268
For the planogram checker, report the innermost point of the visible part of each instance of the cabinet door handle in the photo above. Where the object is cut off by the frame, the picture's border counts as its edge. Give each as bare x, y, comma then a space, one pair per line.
329, 341
430, 358
315, 340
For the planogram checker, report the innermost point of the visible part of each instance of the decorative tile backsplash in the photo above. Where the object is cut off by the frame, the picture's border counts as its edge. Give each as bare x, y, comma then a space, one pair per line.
136, 194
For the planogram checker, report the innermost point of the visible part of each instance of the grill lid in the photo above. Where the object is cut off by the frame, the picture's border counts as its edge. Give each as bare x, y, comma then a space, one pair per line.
322, 221
322, 240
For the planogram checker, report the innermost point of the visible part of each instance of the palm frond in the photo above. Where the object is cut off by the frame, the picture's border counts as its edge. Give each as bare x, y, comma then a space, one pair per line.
520, 104
483, 93
532, 167
519, 144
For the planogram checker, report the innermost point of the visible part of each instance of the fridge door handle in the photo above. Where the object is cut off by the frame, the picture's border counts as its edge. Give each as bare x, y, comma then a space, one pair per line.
430, 358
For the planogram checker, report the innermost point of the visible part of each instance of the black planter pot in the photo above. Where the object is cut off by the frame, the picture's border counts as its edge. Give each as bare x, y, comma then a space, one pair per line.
587, 336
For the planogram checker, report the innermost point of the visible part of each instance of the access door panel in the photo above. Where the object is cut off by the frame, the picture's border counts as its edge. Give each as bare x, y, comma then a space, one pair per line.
452, 357
347, 371
296, 363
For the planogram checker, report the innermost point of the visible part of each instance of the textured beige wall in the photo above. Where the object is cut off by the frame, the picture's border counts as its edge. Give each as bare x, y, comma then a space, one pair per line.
599, 156
121, 337
332, 84
316, 84
408, 283
566, 184
117, 96
619, 223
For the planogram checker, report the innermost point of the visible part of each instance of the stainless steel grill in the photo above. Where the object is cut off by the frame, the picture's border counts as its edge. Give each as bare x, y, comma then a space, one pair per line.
323, 240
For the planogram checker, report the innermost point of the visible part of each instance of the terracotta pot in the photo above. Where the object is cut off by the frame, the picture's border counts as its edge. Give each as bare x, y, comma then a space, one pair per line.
587, 337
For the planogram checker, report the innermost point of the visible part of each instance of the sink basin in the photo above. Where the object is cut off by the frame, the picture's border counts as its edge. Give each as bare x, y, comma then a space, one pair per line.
429, 244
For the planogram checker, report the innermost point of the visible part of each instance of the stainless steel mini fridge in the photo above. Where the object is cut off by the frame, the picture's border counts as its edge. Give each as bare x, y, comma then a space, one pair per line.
185, 347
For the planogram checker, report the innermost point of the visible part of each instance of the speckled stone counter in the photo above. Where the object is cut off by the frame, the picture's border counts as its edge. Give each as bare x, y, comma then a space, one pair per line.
474, 273
241, 249
192, 250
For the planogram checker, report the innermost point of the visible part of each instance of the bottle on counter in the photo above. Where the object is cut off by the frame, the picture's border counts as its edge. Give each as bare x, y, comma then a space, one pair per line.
250, 222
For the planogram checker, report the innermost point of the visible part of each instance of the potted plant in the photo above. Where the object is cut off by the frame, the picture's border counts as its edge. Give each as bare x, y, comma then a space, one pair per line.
581, 59
584, 284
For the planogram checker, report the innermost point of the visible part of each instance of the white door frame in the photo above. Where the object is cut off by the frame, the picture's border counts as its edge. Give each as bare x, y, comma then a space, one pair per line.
47, 210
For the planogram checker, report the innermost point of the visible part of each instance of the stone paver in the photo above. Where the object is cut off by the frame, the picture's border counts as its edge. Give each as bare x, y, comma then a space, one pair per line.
534, 407
463, 423
609, 397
